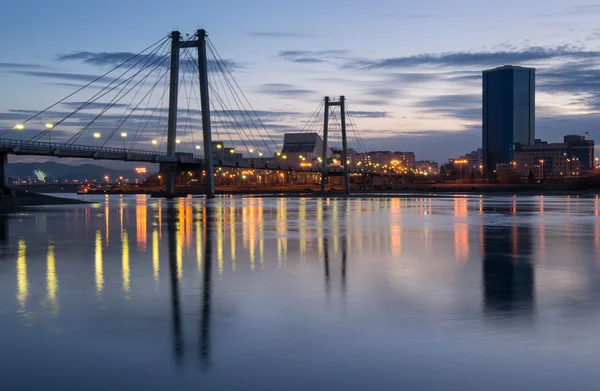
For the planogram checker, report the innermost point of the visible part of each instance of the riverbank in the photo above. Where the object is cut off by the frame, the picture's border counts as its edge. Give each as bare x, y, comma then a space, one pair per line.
21, 199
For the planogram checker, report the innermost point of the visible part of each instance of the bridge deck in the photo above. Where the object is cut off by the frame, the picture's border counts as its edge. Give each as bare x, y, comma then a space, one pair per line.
38, 148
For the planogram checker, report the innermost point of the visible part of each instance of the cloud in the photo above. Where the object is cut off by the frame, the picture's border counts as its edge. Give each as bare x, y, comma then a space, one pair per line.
576, 10
61, 75
17, 66
313, 56
94, 105
284, 90
373, 102
103, 59
278, 34
479, 59
406, 16
370, 114
464, 107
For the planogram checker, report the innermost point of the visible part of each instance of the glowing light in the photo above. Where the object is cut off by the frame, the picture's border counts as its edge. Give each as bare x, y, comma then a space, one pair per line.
198, 147
260, 154
154, 142
96, 135
178, 141
219, 146
155, 255
49, 126
232, 151
284, 157
22, 283
126, 272
51, 280
123, 134
19, 127
140, 170
98, 264
251, 150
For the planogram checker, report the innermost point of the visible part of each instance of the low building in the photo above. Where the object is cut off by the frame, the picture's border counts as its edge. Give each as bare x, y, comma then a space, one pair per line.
573, 157
302, 150
427, 167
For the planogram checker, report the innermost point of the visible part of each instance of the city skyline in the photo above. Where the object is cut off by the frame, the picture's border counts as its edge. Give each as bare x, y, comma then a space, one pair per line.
421, 94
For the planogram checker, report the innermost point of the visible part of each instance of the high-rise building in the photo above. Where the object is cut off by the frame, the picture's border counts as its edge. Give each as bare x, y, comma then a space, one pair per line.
508, 113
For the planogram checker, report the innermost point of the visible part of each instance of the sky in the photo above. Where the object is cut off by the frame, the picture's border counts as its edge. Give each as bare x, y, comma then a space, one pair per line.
410, 71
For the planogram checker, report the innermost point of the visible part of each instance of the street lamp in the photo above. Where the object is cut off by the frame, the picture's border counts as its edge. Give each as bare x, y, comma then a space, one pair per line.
96, 136
20, 127
541, 167
49, 127
177, 142
123, 136
198, 147
155, 143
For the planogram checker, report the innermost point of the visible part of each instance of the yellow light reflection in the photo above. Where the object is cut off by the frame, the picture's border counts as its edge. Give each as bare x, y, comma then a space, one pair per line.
302, 229
141, 212
98, 264
155, 255
106, 218
461, 230
232, 237
199, 239
125, 271
395, 228
51, 279
219, 227
320, 230
22, 283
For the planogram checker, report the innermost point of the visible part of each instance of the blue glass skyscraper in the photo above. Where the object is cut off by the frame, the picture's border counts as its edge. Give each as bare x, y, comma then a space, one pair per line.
508, 113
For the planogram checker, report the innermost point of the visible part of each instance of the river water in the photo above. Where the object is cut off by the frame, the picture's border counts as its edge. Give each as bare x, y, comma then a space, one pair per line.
441, 293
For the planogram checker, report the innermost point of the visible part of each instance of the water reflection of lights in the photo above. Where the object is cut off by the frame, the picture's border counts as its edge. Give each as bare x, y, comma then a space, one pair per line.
22, 283
141, 211
155, 254
198, 219
51, 279
125, 271
232, 236
98, 266
461, 230
219, 227
395, 228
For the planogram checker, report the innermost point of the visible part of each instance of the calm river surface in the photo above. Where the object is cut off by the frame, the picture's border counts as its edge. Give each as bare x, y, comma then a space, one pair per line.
456, 293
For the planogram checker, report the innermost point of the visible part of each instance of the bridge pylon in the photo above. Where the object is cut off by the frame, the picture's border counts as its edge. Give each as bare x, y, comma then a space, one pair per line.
342, 103
176, 45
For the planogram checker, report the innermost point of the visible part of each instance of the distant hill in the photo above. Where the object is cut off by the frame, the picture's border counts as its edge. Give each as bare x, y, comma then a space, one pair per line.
68, 172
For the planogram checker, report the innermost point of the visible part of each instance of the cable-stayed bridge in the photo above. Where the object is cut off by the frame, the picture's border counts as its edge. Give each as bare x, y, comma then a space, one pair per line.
164, 105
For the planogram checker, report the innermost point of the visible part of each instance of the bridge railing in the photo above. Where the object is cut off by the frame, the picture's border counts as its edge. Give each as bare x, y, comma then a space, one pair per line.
49, 146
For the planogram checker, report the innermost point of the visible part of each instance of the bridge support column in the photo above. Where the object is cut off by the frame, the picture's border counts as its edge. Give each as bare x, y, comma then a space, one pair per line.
3, 160
344, 145
324, 162
205, 107
172, 121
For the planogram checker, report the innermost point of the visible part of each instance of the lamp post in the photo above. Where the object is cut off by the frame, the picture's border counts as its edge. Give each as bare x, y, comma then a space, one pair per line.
178, 141
123, 136
49, 127
155, 143
541, 167
20, 128
97, 137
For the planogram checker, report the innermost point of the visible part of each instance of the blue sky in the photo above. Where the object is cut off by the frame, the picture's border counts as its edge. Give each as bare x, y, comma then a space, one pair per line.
412, 69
